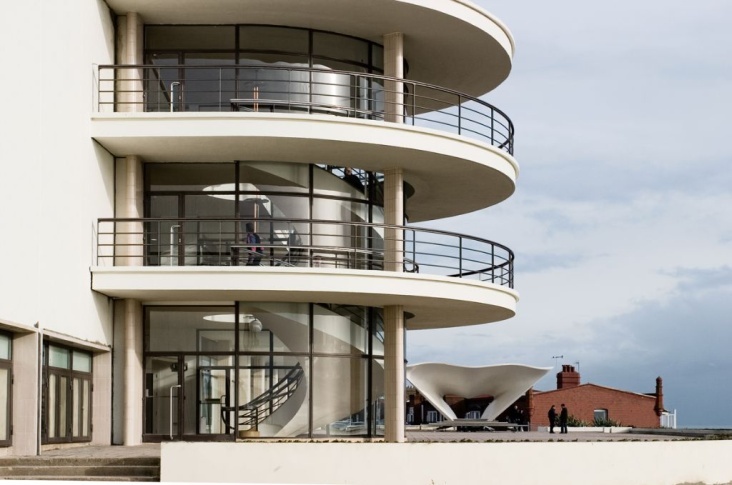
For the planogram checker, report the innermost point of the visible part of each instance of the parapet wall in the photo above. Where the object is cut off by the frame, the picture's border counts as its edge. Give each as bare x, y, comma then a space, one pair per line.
517, 463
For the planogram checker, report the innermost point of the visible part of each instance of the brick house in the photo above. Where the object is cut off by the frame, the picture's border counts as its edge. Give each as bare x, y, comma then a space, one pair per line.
589, 401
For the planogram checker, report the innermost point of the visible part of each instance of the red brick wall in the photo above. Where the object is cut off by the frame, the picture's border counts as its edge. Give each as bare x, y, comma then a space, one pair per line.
625, 408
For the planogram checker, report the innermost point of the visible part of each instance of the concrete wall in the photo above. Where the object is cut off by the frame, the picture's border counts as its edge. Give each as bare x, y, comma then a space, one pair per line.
76, 176
565, 463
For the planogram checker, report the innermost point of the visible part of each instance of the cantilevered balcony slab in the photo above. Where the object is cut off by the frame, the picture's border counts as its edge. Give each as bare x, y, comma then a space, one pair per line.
450, 174
435, 301
451, 43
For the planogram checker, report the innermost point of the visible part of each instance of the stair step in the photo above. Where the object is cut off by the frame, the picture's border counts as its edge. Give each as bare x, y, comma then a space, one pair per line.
77, 461
83, 478
76, 470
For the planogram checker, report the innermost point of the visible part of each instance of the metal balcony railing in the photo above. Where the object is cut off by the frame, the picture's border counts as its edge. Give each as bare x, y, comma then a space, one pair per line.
300, 243
175, 88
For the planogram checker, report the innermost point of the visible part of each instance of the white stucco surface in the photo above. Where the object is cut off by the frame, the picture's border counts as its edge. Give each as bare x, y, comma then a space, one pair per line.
435, 301
516, 463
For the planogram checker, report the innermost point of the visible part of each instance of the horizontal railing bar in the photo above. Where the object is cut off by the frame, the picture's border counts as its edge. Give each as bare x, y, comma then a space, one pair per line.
365, 93
298, 242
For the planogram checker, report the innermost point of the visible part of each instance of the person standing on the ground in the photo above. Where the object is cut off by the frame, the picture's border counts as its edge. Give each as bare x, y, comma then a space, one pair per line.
563, 417
552, 418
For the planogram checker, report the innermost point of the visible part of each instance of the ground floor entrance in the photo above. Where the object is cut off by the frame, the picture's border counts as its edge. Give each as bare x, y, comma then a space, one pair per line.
189, 396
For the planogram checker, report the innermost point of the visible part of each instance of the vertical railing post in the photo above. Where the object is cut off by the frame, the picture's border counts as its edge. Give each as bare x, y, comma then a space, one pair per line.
493, 263
460, 115
460, 256
493, 129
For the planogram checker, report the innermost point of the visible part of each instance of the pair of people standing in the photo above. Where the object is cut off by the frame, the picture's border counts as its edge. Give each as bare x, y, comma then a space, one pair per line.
563, 418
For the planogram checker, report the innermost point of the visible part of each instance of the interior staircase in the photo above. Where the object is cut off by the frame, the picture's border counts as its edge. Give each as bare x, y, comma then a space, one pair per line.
128, 469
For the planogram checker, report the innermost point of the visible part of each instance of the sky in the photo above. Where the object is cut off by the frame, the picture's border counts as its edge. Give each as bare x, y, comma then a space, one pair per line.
621, 222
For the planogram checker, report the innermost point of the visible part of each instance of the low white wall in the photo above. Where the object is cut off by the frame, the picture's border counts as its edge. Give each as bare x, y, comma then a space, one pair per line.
517, 463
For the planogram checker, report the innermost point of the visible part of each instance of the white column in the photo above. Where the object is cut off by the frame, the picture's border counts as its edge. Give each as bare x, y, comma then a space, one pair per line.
26, 394
394, 67
130, 205
130, 51
102, 398
394, 396
133, 373
394, 374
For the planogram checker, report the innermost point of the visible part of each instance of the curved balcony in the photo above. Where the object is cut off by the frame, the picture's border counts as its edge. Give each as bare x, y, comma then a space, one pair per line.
447, 279
297, 90
303, 243
453, 43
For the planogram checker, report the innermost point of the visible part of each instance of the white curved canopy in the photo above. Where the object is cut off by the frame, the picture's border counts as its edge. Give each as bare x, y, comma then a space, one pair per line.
505, 382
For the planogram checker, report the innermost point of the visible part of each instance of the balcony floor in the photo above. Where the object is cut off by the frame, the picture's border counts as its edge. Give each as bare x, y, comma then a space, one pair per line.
435, 301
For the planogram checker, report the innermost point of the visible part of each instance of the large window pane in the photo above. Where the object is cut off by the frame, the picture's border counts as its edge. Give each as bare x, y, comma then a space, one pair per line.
278, 39
340, 47
4, 403
286, 324
52, 403
58, 357
273, 391
190, 37
274, 176
76, 406
5, 352
209, 89
340, 329
63, 405
86, 407
82, 361
339, 396
174, 329
193, 177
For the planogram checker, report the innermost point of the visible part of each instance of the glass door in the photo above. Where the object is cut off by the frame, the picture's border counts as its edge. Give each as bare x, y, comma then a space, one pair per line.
215, 415
188, 397
164, 397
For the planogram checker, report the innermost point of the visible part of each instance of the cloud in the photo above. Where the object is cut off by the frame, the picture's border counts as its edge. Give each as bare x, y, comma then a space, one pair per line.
620, 223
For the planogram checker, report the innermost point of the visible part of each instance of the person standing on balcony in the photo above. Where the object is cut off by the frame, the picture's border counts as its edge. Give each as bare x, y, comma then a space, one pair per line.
254, 250
352, 179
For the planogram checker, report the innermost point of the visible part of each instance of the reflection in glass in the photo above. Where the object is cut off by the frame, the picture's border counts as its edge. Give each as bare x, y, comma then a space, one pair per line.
58, 357
5, 346
263, 382
161, 395
340, 405
62, 405
82, 361
174, 329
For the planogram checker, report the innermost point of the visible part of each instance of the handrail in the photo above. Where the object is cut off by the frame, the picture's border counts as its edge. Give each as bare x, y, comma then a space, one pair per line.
250, 413
282, 89
300, 243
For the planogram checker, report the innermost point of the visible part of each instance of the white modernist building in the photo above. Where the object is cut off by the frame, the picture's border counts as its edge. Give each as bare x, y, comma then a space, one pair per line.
208, 212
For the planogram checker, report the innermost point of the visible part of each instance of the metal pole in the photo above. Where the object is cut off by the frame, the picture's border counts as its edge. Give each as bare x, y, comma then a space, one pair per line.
171, 409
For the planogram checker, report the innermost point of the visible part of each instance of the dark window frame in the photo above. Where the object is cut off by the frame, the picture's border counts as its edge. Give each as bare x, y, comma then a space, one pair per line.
8, 365
70, 375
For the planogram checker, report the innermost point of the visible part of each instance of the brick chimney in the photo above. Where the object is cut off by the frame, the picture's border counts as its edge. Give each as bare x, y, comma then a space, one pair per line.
659, 397
568, 377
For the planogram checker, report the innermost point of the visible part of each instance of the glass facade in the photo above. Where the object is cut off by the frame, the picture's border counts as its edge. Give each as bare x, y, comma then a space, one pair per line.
282, 369
6, 372
202, 211
67, 387
205, 68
